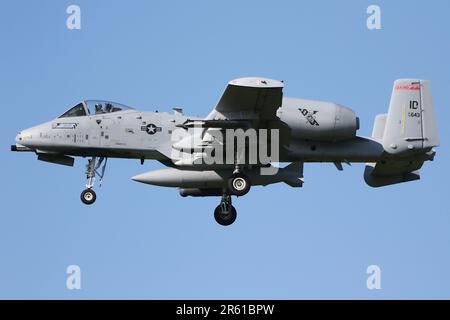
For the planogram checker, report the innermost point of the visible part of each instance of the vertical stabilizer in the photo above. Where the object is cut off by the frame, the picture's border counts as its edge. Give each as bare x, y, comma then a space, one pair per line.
410, 123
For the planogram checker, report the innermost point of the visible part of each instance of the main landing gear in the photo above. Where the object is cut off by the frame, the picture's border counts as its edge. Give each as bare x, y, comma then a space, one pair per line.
88, 195
225, 214
239, 184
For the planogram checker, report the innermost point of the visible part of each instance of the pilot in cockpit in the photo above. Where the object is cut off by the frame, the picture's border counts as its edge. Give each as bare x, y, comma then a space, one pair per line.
99, 108
108, 107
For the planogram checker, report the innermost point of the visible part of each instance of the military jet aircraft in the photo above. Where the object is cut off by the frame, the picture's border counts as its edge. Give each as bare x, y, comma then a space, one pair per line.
300, 131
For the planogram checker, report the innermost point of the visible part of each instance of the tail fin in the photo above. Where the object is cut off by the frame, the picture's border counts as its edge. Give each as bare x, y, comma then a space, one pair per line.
378, 126
408, 128
410, 123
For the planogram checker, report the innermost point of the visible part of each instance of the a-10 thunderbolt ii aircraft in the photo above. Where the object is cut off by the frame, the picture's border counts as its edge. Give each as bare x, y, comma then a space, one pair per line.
300, 131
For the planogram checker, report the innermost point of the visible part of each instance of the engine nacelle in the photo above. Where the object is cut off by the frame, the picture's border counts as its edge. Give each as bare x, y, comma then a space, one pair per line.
318, 120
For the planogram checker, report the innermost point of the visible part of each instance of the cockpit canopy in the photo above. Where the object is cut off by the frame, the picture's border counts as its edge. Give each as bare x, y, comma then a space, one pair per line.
93, 107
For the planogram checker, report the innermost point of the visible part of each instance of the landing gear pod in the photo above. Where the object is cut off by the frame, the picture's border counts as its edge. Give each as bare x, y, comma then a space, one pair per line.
239, 184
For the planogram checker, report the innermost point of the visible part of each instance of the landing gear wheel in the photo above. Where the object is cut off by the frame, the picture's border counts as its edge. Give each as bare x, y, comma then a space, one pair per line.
223, 217
88, 196
239, 184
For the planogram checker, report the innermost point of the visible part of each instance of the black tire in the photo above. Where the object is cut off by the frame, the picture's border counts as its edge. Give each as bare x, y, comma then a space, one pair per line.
225, 219
239, 184
88, 196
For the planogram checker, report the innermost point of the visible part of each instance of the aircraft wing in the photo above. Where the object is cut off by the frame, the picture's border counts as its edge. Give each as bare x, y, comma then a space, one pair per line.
245, 103
249, 99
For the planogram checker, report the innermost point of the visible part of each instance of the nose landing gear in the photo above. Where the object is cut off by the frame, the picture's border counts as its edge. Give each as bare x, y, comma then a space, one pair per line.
88, 196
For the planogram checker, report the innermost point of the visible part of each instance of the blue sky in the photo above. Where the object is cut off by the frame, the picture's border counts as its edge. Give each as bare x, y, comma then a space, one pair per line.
146, 242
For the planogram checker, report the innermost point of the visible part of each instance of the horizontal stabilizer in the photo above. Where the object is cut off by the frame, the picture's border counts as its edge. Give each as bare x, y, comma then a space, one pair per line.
388, 173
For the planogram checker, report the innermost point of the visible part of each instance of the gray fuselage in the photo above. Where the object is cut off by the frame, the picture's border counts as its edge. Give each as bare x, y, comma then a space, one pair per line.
148, 135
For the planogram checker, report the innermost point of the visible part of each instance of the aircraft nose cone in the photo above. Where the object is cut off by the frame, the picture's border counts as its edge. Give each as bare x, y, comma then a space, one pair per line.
32, 137
25, 137
19, 138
